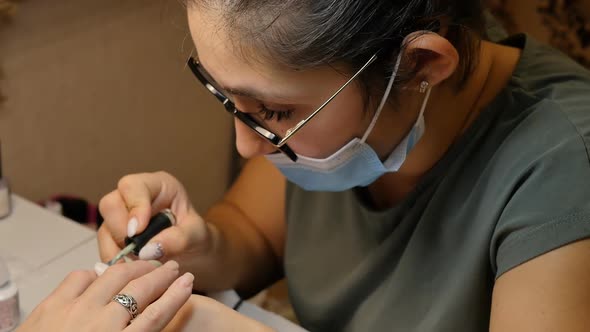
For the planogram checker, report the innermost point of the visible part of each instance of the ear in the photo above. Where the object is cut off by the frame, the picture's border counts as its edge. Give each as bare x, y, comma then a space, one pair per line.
434, 58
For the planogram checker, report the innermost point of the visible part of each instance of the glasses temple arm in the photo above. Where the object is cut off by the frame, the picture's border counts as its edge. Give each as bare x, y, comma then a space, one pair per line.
290, 132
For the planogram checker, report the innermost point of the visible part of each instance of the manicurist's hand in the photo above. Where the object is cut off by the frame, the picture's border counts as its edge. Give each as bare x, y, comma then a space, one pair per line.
127, 211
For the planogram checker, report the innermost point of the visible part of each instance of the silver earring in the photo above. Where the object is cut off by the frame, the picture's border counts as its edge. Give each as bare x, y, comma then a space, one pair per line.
423, 86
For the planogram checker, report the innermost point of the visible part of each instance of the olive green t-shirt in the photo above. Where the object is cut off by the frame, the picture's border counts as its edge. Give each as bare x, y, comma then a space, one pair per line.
515, 186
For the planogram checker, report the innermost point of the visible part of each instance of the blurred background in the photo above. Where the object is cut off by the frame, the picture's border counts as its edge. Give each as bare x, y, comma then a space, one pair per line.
94, 90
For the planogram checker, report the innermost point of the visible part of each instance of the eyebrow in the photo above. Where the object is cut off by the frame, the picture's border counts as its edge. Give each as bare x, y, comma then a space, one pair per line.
244, 92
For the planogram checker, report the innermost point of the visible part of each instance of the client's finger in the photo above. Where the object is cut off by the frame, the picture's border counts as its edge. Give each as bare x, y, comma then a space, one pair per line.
158, 314
73, 285
114, 279
144, 290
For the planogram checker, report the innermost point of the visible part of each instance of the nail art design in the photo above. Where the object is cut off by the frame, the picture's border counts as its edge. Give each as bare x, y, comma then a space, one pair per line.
151, 251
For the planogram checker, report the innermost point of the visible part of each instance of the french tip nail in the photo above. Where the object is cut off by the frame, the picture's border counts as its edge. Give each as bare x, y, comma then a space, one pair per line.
132, 227
151, 251
99, 268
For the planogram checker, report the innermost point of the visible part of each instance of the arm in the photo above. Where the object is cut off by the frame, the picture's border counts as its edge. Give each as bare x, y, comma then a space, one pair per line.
250, 224
238, 244
548, 293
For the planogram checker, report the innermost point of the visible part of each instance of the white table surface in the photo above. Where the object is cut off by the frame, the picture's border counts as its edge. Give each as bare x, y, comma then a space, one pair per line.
34, 287
40, 247
32, 237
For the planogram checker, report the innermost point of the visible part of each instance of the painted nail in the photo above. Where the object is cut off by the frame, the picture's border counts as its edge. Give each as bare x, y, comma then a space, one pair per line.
132, 227
187, 280
99, 268
172, 265
151, 251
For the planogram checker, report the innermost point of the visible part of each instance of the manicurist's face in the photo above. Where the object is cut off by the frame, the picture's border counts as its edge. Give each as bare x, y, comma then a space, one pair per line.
279, 98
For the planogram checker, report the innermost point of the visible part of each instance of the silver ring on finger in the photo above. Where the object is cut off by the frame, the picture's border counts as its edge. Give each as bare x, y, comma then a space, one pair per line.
129, 303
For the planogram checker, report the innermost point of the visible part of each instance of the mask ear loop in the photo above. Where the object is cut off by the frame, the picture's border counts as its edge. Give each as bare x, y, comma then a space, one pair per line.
419, 125
388, 91
424, 103
384, 99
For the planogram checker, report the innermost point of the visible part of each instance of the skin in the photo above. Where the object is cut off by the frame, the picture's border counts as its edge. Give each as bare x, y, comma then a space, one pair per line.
82, 302
239, 242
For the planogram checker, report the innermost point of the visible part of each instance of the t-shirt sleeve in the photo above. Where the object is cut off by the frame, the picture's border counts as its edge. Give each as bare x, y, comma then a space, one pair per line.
549, 202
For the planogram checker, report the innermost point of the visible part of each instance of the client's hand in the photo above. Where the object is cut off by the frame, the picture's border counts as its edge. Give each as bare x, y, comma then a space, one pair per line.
204, 314
85, 302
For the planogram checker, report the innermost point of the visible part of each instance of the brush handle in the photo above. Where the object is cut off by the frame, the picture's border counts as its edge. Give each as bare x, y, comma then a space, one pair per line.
158, 223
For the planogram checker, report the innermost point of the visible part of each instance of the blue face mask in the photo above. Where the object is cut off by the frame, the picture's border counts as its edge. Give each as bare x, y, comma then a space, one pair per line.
356, 163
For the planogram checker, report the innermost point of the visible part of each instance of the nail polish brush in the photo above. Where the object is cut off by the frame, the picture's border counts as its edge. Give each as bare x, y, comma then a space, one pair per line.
157, 223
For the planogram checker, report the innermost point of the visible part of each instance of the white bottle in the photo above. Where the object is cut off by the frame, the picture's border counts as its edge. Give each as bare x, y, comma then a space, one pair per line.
9, 308
5, 198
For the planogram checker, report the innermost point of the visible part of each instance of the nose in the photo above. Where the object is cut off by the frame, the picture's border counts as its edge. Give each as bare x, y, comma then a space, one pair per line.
248, 143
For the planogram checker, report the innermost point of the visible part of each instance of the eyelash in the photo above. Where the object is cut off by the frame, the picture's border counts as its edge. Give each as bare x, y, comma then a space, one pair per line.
269, 114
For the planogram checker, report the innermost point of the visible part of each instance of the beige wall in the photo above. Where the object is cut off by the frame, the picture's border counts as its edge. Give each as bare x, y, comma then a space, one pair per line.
99, 89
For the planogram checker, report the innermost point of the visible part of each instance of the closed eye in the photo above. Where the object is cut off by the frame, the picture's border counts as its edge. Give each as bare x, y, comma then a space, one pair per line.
269, 114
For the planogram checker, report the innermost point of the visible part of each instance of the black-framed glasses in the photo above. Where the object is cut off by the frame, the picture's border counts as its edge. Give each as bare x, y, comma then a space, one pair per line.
269, 134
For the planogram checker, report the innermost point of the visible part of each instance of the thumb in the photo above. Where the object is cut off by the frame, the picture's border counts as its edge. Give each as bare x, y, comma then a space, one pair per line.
189, 234
138, 200
139, 217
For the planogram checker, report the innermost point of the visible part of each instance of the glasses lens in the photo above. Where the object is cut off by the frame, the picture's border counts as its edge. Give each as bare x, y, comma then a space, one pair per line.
275, 119
279, 122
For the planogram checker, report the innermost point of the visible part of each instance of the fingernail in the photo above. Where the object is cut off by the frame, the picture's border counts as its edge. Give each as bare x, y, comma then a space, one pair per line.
155, 263
132, 227
99, 268
151, 251
172, 265
187, 280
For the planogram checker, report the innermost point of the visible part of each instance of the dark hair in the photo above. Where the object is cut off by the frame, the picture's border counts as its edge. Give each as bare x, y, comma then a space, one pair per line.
301, 34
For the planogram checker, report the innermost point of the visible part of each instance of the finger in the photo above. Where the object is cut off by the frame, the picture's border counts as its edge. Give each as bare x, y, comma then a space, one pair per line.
100, 267
174, 240
144, 290
158, 314
114, 279
166, 244
159, 189
107, 247
73, 285
138, 200
113, 209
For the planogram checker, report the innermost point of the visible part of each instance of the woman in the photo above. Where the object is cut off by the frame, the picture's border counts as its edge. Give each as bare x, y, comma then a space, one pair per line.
403, 172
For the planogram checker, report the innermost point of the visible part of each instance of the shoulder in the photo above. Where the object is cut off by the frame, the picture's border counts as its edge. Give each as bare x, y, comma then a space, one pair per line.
548, 102
540, 166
